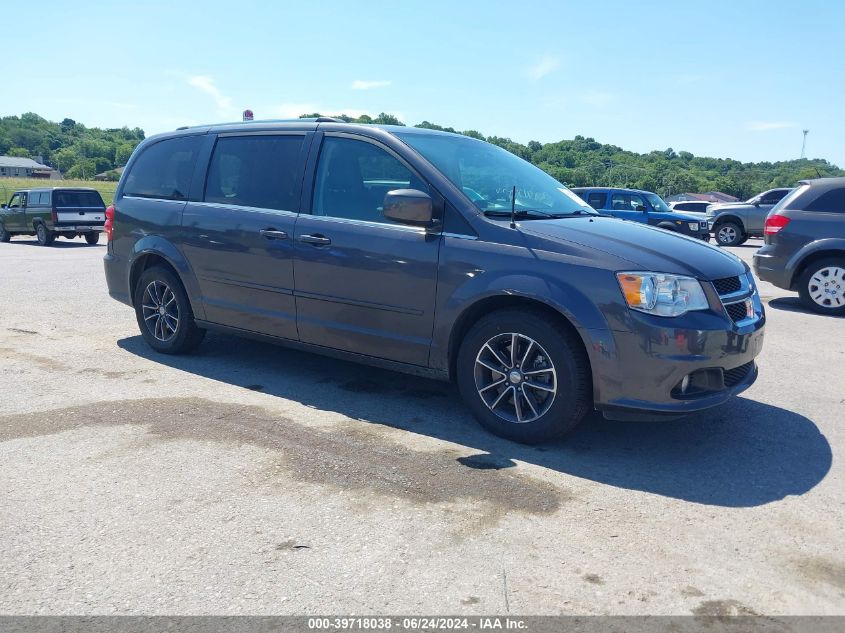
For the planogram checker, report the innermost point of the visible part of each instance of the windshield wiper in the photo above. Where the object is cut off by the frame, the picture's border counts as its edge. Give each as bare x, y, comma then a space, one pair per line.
534, 214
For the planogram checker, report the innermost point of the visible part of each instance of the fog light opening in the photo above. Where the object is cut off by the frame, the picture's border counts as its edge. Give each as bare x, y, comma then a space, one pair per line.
685, 384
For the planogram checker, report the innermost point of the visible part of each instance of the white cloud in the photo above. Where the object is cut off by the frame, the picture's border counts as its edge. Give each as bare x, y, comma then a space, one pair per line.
596, 98
543, 67
206, 85
766, 126
360, 84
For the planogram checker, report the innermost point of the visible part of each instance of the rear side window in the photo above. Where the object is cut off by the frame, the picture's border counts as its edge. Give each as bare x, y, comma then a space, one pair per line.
682, 206
65, 199
256, 171
597, 200
164, 170
832, 201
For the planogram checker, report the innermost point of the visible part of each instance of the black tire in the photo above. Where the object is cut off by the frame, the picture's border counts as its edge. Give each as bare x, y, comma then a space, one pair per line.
92, 238
729, 234
45, 237
561, 349
5, 236
811, 283
175, 332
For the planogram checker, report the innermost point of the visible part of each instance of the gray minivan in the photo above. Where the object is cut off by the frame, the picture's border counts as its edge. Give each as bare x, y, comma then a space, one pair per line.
434, 254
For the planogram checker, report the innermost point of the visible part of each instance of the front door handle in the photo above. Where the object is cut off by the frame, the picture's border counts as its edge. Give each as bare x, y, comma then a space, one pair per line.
273, 234
316, 239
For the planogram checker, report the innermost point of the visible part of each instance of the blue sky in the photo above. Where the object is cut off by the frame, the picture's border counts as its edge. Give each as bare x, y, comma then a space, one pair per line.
734, 79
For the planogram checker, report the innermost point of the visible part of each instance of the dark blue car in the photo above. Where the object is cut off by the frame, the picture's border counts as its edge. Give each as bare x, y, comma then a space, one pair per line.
645, 207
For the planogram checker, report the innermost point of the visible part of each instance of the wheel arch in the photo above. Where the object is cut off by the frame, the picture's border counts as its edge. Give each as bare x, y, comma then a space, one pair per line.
807, 259
728, 218
157, 251
483, 306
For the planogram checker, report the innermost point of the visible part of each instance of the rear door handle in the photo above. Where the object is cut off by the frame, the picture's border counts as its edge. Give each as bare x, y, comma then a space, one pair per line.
273, 234
316, 240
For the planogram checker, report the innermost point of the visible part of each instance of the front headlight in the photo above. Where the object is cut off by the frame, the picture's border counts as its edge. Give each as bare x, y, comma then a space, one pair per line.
693, 226
662, 294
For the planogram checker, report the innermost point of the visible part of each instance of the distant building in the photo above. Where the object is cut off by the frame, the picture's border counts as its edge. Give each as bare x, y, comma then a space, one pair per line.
12, 166
707, 196
107, 175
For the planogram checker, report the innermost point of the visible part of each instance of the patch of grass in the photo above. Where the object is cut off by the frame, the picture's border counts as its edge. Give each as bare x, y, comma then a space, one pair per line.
8, 186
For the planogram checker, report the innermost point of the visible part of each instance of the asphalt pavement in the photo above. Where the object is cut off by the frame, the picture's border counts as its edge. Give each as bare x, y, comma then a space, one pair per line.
250, 479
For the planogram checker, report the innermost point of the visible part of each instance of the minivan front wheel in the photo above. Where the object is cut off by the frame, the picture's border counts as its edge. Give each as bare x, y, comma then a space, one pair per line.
164, 313
523, 376
822, 286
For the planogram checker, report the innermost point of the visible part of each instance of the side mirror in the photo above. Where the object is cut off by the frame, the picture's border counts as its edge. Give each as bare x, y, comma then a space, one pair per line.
408, 206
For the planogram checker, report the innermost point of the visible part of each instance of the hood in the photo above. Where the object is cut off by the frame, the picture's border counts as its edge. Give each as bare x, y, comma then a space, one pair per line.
683, 216
646, 248
727, 206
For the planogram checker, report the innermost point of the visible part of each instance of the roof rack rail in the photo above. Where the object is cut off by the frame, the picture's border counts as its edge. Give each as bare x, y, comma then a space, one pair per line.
328, 119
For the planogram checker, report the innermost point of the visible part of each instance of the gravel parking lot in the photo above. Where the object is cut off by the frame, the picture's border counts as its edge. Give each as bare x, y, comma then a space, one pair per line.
251, 479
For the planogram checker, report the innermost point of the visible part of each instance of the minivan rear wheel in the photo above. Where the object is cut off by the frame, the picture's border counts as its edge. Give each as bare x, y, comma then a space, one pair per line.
524, 376
164, 313
822, 286
729, 234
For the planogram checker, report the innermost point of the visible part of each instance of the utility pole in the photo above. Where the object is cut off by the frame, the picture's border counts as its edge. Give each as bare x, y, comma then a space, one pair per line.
804, 143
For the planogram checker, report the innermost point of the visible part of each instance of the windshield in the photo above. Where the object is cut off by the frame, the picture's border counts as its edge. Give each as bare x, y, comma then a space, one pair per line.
487, 175
657, 203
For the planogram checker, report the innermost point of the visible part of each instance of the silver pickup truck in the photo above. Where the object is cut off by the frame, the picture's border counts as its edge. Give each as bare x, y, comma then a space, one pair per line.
733, 223
51, 212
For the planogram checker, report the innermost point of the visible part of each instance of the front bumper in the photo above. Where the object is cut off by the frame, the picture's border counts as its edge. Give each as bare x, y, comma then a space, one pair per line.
639, 373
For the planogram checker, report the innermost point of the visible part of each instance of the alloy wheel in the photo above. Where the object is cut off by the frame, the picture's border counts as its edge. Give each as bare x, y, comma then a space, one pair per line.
515, 377
727, 234
160, 310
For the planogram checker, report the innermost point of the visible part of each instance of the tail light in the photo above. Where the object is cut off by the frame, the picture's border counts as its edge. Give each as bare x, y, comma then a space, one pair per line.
55, 217
109, 225
775, 223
